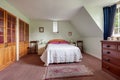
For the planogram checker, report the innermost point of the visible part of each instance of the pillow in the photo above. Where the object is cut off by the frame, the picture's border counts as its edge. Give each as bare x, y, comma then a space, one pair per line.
53, 42
58, 41
64, 42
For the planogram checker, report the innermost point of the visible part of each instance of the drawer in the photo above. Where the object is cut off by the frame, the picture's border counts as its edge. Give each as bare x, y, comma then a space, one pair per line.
111, 60
119, 47
110, 46
110, 53
111, 68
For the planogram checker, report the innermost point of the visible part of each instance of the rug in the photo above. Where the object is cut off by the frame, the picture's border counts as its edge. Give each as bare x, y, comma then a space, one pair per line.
67, 71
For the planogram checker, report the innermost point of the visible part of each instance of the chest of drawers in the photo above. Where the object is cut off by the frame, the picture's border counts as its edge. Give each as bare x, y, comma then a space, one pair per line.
111, 57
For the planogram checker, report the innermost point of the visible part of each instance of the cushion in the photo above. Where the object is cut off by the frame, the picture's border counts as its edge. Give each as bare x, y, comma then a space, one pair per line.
58, 41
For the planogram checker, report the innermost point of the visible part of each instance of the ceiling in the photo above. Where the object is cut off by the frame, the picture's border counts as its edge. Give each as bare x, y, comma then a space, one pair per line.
54, 9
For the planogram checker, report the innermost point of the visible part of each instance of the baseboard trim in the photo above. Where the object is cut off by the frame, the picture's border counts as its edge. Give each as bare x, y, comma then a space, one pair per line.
92, 55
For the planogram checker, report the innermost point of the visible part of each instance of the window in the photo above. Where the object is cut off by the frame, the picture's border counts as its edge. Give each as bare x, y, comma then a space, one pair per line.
55, 26
116, 31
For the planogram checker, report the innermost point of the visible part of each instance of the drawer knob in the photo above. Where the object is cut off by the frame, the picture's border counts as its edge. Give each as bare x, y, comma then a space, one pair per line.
108, 45
108, 52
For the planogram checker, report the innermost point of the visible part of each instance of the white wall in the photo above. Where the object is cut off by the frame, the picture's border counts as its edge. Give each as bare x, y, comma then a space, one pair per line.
85, 24
92, 46
64, 28
89, 29
96, 12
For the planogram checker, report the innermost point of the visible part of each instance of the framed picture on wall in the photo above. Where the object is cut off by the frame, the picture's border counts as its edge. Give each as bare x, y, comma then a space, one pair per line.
69, 33
41, 29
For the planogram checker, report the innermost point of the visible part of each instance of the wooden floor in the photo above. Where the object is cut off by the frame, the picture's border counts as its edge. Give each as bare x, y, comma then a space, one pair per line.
31, 67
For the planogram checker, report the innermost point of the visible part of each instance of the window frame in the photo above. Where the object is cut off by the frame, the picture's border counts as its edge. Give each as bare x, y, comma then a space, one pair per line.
115, 27
55, 26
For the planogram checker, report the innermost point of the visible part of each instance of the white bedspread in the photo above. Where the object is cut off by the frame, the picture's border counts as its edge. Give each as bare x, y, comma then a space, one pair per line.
59, 53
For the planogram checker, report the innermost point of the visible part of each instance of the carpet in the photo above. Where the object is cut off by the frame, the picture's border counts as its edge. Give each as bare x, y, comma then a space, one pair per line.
67, 71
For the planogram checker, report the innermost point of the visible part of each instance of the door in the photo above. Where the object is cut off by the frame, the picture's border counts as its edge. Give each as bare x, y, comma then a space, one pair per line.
24, 38
11, 36
7, 38
2, 37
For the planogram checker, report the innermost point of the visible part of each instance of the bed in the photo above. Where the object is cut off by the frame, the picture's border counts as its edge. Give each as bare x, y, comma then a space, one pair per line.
60, 51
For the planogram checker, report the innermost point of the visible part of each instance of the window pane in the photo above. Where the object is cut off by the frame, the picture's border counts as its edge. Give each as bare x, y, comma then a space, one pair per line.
9, 24
115, 30
8, 38
1, 13
1, 30
55, 27
116, 19
119, 31
13, 25
13, 32
1, 22
8, 32
117, 22
13, 39
1, 39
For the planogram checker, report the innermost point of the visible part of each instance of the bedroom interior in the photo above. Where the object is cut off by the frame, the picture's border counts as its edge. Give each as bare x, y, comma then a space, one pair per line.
26, 28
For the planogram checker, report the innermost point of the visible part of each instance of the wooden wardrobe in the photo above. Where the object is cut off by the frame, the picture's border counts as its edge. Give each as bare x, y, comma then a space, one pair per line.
7, 38
23, 37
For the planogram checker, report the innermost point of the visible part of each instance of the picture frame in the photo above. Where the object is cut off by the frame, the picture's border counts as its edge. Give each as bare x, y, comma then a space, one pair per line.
41, 29
69, 33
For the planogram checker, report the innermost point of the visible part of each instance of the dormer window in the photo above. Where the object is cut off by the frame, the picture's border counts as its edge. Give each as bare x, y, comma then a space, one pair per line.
55, 26
116, 31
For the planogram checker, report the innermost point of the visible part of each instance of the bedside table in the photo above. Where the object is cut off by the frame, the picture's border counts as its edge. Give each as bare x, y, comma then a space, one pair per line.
80, 45
41, 48
33, 48
73, 43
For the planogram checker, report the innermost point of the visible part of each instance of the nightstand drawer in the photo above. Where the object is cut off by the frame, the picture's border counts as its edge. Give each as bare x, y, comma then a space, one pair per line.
110, 46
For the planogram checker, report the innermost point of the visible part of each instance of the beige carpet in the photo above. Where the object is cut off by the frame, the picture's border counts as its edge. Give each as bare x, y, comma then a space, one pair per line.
66, 71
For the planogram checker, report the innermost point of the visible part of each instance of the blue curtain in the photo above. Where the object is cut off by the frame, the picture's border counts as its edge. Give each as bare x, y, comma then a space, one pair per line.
109, 14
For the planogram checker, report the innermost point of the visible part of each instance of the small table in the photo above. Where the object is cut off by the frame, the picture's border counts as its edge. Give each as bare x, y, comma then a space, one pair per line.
41, 48
80, 45
73, 43
33, 48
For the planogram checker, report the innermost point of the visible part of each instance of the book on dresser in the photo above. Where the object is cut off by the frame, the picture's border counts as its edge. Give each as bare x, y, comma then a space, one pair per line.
111, 57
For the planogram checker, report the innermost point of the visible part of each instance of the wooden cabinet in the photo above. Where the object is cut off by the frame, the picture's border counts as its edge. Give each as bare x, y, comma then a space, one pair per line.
33, 47
41, 48
73, 43
2, 26
111, 57
80, 45
7, 38
23, 38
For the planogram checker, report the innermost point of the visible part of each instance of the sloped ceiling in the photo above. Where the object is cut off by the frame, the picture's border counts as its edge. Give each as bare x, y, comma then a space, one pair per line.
54, 9
83, 19
85, 25
47, 9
